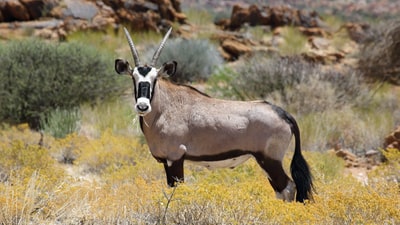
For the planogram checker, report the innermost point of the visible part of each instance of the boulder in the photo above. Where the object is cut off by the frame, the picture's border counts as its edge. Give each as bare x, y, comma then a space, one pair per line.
234, 45
393, 139
274, 16
368, 161
88, 14
235, 48
14, 10
314, 31
34, 7
357, 31
80, 9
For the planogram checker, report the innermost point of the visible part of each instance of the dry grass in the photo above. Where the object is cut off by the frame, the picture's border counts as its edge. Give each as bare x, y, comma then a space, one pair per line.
130, 189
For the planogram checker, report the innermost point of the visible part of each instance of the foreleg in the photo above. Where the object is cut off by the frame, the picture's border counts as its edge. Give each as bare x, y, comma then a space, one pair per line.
174, 172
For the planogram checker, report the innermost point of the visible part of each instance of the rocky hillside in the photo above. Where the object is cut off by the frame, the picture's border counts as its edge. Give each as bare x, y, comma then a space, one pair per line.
53, 19
353, 10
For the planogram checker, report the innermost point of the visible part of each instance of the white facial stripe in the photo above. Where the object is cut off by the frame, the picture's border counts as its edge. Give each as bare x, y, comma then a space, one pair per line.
143, 75
149, 77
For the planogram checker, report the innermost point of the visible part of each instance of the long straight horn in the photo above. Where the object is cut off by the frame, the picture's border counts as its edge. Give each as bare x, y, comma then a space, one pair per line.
133, 49
158, 52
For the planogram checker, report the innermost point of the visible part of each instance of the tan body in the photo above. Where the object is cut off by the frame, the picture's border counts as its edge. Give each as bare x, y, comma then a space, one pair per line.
192, 124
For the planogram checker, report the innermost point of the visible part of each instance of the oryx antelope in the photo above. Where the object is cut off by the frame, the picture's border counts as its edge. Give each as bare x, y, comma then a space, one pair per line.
181, 123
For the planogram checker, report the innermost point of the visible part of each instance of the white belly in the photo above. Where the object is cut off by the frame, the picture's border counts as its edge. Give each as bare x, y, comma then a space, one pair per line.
230, 163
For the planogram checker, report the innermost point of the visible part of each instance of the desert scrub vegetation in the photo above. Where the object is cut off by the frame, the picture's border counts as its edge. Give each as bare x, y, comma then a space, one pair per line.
286, 78
197, 59
380, 53
127, 186
294, 41
39, 77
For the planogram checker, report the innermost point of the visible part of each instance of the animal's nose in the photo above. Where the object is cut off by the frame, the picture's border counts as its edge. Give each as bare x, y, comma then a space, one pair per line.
142, 107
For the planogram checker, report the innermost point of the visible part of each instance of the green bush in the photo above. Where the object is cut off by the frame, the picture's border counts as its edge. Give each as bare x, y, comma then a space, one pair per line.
196, 59
296, 84
259, 76
38, 77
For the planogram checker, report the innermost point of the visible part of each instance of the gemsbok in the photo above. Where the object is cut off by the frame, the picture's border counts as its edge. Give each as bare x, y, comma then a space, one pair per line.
181, 123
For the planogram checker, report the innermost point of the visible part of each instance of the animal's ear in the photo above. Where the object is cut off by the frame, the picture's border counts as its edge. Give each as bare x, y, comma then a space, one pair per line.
168, 69
122, 66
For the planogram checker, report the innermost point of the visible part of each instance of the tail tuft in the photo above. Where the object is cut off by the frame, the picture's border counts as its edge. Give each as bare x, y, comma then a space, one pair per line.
302, 177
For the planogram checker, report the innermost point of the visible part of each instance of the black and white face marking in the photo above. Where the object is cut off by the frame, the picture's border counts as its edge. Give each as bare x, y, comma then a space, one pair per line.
144, 78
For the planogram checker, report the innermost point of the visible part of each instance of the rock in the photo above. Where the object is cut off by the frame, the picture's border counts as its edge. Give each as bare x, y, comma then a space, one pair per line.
314, 31
34, 7
319, 43
371, 158
274, 16
14, 10
357, 31
234, 45
80, 9
393, 139
346, 155
323, 57
239, 16
88, 14
235, 48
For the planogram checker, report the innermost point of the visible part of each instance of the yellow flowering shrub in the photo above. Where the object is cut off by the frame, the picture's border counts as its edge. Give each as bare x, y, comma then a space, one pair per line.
130, 187
28, 173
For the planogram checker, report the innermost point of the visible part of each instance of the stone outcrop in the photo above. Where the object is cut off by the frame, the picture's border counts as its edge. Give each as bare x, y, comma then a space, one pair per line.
371, 157
233, 46
357, 31
274, 16
368, 161
393, 139
54, 19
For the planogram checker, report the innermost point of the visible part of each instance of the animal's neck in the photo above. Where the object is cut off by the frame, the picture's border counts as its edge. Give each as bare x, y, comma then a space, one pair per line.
171, 104
163, 98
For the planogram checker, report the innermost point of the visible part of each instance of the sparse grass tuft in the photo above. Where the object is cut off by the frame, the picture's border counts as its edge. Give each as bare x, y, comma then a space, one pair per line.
116, 116
295, 41
346, 128
60, 122
199, 17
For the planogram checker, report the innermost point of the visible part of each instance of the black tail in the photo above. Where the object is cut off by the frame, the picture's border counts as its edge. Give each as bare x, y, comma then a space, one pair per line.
299, 168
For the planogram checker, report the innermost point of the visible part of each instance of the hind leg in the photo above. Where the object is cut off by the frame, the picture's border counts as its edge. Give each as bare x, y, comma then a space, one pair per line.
284, 187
